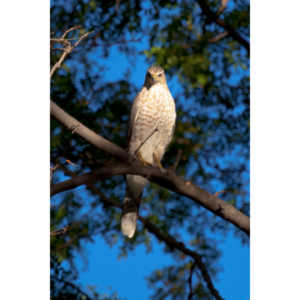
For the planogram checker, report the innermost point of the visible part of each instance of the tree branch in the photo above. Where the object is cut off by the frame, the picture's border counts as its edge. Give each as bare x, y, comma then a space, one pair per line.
218, 37
165, 178
68, 47
213, 17
89, 135
190, 282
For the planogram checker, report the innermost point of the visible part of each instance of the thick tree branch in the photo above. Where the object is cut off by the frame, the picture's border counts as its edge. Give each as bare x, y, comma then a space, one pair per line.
165, 178
89, 135
214, 17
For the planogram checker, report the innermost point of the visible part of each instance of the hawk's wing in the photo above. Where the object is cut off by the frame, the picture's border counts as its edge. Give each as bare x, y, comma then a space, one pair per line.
133, 116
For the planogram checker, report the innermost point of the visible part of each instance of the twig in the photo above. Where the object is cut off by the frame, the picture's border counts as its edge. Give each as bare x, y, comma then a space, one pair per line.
84, 295
68, 47
57, 65
191, 293
218, 37
60, 231
69, 30
218, 193
82, 38
58, 49
70, 163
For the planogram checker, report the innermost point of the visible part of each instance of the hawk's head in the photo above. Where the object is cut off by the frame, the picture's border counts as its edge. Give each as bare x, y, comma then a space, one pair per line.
155, 74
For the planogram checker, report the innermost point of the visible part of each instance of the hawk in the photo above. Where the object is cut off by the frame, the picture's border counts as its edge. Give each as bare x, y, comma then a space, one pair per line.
151, 128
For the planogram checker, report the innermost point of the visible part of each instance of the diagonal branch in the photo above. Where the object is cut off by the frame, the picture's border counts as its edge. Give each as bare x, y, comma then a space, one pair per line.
174, 244
86, 133
165, 178
218, 37
213, 17
190, 282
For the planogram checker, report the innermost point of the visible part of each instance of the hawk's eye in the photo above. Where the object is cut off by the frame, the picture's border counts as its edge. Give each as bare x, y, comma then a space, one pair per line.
160, 74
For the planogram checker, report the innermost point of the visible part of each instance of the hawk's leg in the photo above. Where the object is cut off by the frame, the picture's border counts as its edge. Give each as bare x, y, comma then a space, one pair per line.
156, 161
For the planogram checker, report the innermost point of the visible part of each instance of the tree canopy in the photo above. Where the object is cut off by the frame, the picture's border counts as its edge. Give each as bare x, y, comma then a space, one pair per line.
204, 48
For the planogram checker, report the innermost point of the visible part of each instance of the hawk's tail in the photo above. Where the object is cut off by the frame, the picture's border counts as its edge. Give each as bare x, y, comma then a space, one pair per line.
135, 186
129, 217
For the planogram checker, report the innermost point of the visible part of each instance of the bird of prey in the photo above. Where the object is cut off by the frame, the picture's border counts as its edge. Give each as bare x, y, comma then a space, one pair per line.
151, 128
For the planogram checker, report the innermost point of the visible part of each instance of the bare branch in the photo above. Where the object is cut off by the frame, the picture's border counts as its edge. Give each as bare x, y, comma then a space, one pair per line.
68, 47
218, 193
165, 178
82, 38
69, 30
57, 65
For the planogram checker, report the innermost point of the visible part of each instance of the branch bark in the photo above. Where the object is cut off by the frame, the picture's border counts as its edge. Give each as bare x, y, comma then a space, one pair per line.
89, 135
165, 178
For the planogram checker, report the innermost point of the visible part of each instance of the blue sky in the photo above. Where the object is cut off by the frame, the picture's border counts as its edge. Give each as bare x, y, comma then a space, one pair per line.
127, 276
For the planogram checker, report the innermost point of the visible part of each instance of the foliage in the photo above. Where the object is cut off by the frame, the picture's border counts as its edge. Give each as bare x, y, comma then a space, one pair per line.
212, 128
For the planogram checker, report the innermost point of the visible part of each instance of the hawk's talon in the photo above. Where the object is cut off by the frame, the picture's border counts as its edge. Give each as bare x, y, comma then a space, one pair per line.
157, 163
141, 159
